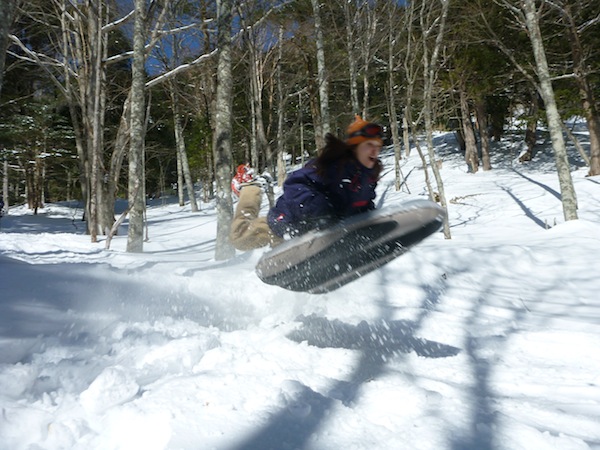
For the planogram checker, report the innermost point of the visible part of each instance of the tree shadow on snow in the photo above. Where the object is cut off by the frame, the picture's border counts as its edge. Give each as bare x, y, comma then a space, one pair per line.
525, 209
542, 185
76, 305
378, 342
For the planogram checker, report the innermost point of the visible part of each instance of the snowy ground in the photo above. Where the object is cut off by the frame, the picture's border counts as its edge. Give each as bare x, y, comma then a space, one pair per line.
487, 340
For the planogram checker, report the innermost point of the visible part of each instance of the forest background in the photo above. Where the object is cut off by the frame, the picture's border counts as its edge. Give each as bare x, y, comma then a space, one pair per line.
135, 99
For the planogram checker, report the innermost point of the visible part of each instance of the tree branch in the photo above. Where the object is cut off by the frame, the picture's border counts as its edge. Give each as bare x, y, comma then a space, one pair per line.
35, 58
182, 68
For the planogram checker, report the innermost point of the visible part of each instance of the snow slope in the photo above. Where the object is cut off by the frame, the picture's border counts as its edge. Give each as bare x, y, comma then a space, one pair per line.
487, 340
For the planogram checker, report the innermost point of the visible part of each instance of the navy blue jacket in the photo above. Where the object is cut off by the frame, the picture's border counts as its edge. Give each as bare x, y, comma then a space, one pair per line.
312, 201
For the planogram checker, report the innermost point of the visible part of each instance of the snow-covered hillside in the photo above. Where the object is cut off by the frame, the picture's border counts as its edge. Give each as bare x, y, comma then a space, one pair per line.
487, 340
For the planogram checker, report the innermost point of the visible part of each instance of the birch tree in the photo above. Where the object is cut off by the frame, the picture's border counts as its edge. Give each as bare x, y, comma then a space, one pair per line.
432, 23
77, 67
184, 176
80, 73
481, 116
323, 125
223, 131
351, 20
370, 20
281, 111
135, 236
409, 64
467, 128
532, 22
412, 70
391, 92
171, 53
95, 102
527, 15
256, 43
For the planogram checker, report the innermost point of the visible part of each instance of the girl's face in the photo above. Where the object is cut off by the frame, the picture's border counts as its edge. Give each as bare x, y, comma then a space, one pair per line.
367, 152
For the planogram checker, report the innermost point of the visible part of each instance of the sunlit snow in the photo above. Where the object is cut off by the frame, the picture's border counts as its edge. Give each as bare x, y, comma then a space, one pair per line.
488, 340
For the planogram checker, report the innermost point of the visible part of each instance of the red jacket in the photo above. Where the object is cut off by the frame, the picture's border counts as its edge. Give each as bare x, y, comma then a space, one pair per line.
243, 174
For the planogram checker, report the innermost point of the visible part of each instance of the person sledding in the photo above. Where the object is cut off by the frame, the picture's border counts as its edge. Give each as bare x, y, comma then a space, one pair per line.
243, 174
338, 183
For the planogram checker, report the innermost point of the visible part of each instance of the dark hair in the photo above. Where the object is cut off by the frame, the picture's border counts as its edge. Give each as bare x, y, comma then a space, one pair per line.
336, 150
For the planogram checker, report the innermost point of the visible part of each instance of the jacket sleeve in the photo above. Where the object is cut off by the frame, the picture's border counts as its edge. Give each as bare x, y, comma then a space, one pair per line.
306, 196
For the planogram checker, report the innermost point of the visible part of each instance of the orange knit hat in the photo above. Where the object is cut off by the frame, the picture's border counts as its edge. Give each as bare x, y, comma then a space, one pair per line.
361, 130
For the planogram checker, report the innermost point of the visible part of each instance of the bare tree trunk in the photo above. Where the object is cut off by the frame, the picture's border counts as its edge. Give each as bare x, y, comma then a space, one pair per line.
7, 11
593, 123
395, 136
135, 236
72, 102
180, 181
484, 136
421, 154
569, 199
182, 159
409, 126
85, 49
576, 143
80, 49
301, 120
531, 130
592, 116
280, 113
106, 204
254, 93
313, 103
392, 105
410, 64
5, 193
93, 86
254, 157
371, 20
321, 71
260, 148
429, 71
121, 146
406, 134
352, 65
223, 129
467, 126
586, 89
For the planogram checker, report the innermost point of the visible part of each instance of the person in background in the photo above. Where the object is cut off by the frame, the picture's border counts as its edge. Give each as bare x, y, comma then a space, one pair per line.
243, 174
340, 182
